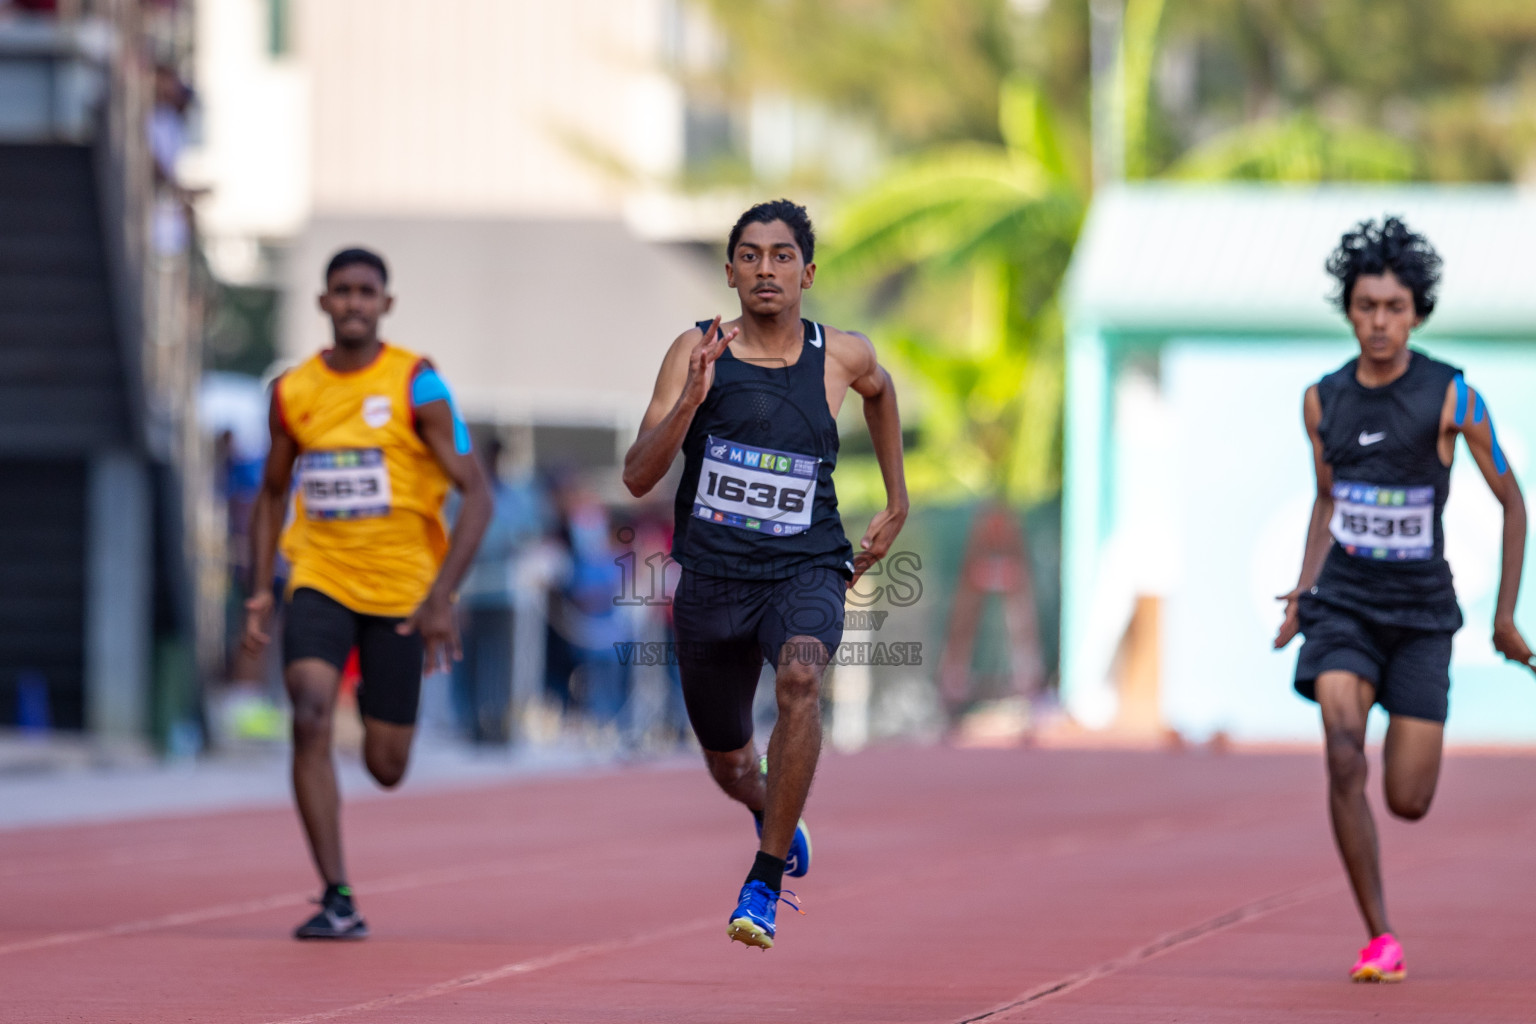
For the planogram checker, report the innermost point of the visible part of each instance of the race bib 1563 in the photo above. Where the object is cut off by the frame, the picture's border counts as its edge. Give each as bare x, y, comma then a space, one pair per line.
753, 488
349, 483
1371, 521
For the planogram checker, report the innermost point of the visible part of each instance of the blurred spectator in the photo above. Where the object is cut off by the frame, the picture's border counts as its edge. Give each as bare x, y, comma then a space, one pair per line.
167, 128
482, 681
656, 717
168, 123
583, 669
233, 407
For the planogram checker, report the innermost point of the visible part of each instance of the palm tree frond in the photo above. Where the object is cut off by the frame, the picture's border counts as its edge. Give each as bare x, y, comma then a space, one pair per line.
1299, 148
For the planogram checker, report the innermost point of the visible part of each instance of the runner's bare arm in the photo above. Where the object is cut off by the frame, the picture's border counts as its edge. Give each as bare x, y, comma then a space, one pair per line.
686, 374
1473, 420
267, 522
435, 618
1319, 540
856, 354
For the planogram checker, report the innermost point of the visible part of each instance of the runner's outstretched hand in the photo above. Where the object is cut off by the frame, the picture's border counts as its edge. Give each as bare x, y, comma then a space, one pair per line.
258, 612
877, 540
701, 363
1292, 623
1508, 642
439, 632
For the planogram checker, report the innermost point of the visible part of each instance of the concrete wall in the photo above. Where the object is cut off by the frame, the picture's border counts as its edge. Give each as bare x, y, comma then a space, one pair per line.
531, 321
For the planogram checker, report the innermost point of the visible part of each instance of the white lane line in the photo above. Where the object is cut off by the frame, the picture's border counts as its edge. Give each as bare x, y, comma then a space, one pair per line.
1014, 1008
156, 923
399, 883
1148, 832
512, 970
1157, 947
1046, 846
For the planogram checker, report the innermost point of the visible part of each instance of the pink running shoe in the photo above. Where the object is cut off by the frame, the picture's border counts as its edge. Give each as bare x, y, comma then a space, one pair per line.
1382, 960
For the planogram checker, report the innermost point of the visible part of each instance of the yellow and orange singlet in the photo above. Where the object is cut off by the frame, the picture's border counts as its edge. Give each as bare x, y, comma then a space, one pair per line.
367, 526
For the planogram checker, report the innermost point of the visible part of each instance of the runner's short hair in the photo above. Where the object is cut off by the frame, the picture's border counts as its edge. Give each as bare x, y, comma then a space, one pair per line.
1372, 248
792, 214
353, 257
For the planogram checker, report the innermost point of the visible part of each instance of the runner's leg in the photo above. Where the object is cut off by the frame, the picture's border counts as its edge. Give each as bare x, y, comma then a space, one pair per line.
387, 750
718, 665
1411, 765
795, 745
1346, 701
1416, 697
736, 773
719, 680
312, 685
389, 696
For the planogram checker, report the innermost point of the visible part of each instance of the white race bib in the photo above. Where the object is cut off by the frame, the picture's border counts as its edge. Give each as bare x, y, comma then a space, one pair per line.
348, 483
1396, 523
755, 488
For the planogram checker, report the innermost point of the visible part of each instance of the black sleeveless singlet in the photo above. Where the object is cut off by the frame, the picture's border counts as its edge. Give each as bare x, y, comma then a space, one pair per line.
1387, 563
756, 501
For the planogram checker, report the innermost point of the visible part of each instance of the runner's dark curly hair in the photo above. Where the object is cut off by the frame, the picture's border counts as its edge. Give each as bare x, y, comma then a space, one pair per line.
792, 214
1373, 248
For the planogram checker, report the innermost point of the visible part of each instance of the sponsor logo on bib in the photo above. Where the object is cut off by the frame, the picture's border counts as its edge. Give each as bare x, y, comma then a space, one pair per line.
377, 409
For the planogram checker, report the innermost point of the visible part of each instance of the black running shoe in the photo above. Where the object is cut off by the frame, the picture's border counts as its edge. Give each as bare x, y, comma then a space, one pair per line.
338, 919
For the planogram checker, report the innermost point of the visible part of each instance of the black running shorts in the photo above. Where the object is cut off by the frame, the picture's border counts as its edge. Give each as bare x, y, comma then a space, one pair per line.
317, 626
1410, 668
727, 628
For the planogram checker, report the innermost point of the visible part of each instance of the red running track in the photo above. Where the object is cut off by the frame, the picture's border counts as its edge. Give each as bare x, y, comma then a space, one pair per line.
949, 886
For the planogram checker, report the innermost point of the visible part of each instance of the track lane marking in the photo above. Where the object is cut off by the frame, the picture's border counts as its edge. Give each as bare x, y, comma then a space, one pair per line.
1155, 830
399, 883
1048, 846
1240, 915
570, 954
1157, 947
517, 968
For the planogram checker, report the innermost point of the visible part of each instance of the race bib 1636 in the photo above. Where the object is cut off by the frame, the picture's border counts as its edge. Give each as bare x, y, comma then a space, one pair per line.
1395, 523
754, 488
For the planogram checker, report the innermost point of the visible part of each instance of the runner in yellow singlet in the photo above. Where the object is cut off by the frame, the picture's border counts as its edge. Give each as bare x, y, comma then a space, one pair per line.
377, 442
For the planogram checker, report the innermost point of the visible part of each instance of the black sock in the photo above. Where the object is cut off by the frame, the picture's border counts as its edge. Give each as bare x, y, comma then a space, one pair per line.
340, 892
767, 869
758, 816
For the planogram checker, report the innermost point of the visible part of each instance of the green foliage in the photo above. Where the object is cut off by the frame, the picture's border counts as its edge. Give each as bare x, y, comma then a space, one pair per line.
923, 70
978, 238
1453, 81
1298, 149
957, 250
1133, 79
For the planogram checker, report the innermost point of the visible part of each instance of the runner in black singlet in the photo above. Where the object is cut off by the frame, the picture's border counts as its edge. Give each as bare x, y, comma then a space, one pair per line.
1375, 601
752, 405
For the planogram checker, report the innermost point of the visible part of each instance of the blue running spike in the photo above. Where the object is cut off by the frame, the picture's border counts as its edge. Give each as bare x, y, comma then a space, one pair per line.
752, 923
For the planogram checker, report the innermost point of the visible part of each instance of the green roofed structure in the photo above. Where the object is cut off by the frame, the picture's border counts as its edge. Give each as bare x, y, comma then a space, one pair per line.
1196, 317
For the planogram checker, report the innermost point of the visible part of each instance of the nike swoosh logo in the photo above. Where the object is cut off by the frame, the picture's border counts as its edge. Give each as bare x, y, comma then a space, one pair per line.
341, 922
1366, 439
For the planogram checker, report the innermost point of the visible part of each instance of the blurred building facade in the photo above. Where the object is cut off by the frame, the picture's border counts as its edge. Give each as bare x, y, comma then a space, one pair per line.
1198, 315
519, 166
516, 163
99, 348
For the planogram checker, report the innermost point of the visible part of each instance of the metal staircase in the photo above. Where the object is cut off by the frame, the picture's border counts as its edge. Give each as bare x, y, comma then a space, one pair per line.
96, 354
